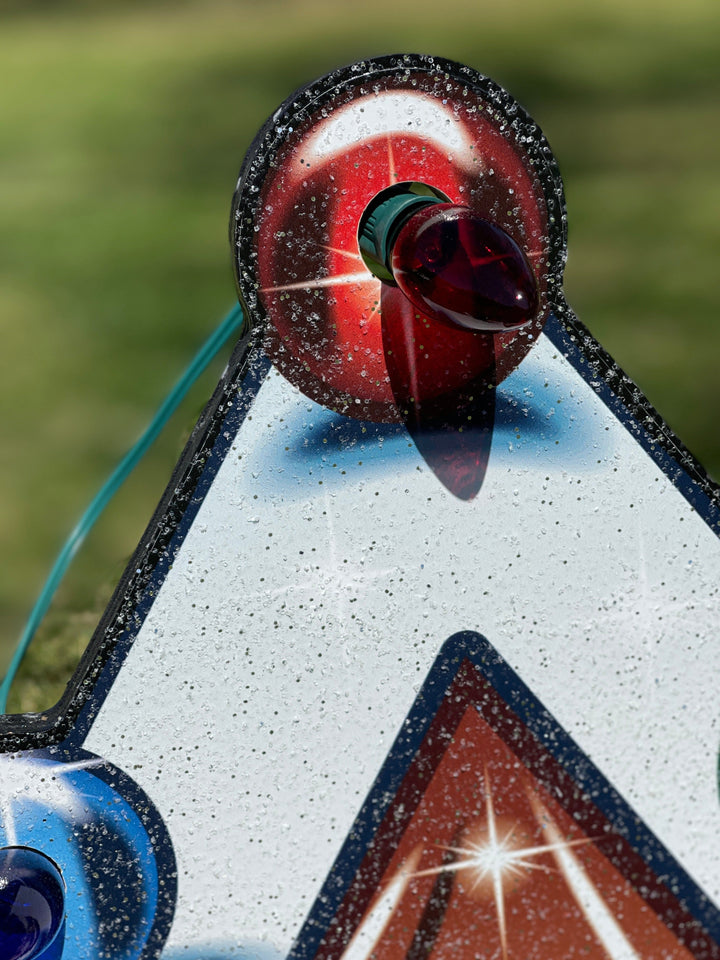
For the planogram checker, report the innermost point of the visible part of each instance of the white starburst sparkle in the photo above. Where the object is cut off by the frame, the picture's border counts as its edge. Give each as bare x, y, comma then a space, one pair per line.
499, 859
43, 781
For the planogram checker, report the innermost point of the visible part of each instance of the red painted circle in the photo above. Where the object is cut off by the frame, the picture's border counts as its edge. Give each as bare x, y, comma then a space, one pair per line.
323, 305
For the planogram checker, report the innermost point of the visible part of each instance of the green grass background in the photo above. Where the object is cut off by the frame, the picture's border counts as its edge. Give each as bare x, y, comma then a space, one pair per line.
122, 128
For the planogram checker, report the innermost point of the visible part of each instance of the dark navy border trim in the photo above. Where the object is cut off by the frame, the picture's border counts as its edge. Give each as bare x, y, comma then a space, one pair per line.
627, 402
472, 646
153, 824
236, 410
69, 721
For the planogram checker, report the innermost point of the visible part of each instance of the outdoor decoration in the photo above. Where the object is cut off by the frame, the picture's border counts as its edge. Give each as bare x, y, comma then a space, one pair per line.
417, 657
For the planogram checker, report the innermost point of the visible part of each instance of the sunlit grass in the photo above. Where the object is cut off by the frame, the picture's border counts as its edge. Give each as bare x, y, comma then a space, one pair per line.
123, 127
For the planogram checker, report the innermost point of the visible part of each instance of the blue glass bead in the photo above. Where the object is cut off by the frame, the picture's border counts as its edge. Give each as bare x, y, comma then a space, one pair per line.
32, 904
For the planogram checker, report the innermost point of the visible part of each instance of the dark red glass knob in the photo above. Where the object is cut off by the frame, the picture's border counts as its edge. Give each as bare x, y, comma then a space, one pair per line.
456, 267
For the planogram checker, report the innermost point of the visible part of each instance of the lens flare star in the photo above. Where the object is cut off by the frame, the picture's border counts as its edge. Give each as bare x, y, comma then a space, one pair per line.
498, 860
43, 781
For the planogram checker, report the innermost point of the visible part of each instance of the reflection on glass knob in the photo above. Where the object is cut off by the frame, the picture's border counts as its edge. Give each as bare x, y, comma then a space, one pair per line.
32, 905
451, 264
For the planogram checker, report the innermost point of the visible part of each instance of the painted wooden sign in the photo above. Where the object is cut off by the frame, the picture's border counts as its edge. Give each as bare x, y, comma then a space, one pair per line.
417, 658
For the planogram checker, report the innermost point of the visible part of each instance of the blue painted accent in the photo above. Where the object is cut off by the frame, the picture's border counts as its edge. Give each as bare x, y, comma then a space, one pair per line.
540, 422
531, 429
107, 841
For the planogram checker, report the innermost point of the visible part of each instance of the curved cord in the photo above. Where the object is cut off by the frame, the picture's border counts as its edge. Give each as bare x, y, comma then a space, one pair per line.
231, 323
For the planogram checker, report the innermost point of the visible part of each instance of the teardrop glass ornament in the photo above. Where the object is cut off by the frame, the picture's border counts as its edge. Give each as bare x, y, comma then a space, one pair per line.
458, 268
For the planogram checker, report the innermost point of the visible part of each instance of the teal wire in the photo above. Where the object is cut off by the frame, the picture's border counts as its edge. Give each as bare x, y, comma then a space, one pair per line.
231, 324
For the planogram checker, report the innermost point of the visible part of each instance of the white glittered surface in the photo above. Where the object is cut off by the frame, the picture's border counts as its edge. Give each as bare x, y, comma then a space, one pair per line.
319, 581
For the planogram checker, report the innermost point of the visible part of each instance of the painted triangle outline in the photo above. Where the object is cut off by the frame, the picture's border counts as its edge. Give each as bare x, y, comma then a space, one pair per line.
670, 916
71, 719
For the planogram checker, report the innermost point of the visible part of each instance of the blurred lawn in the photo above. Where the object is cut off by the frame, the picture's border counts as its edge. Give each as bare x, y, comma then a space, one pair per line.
122, 128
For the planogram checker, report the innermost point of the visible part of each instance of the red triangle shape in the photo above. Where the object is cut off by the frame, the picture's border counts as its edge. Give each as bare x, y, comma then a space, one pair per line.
492, 846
